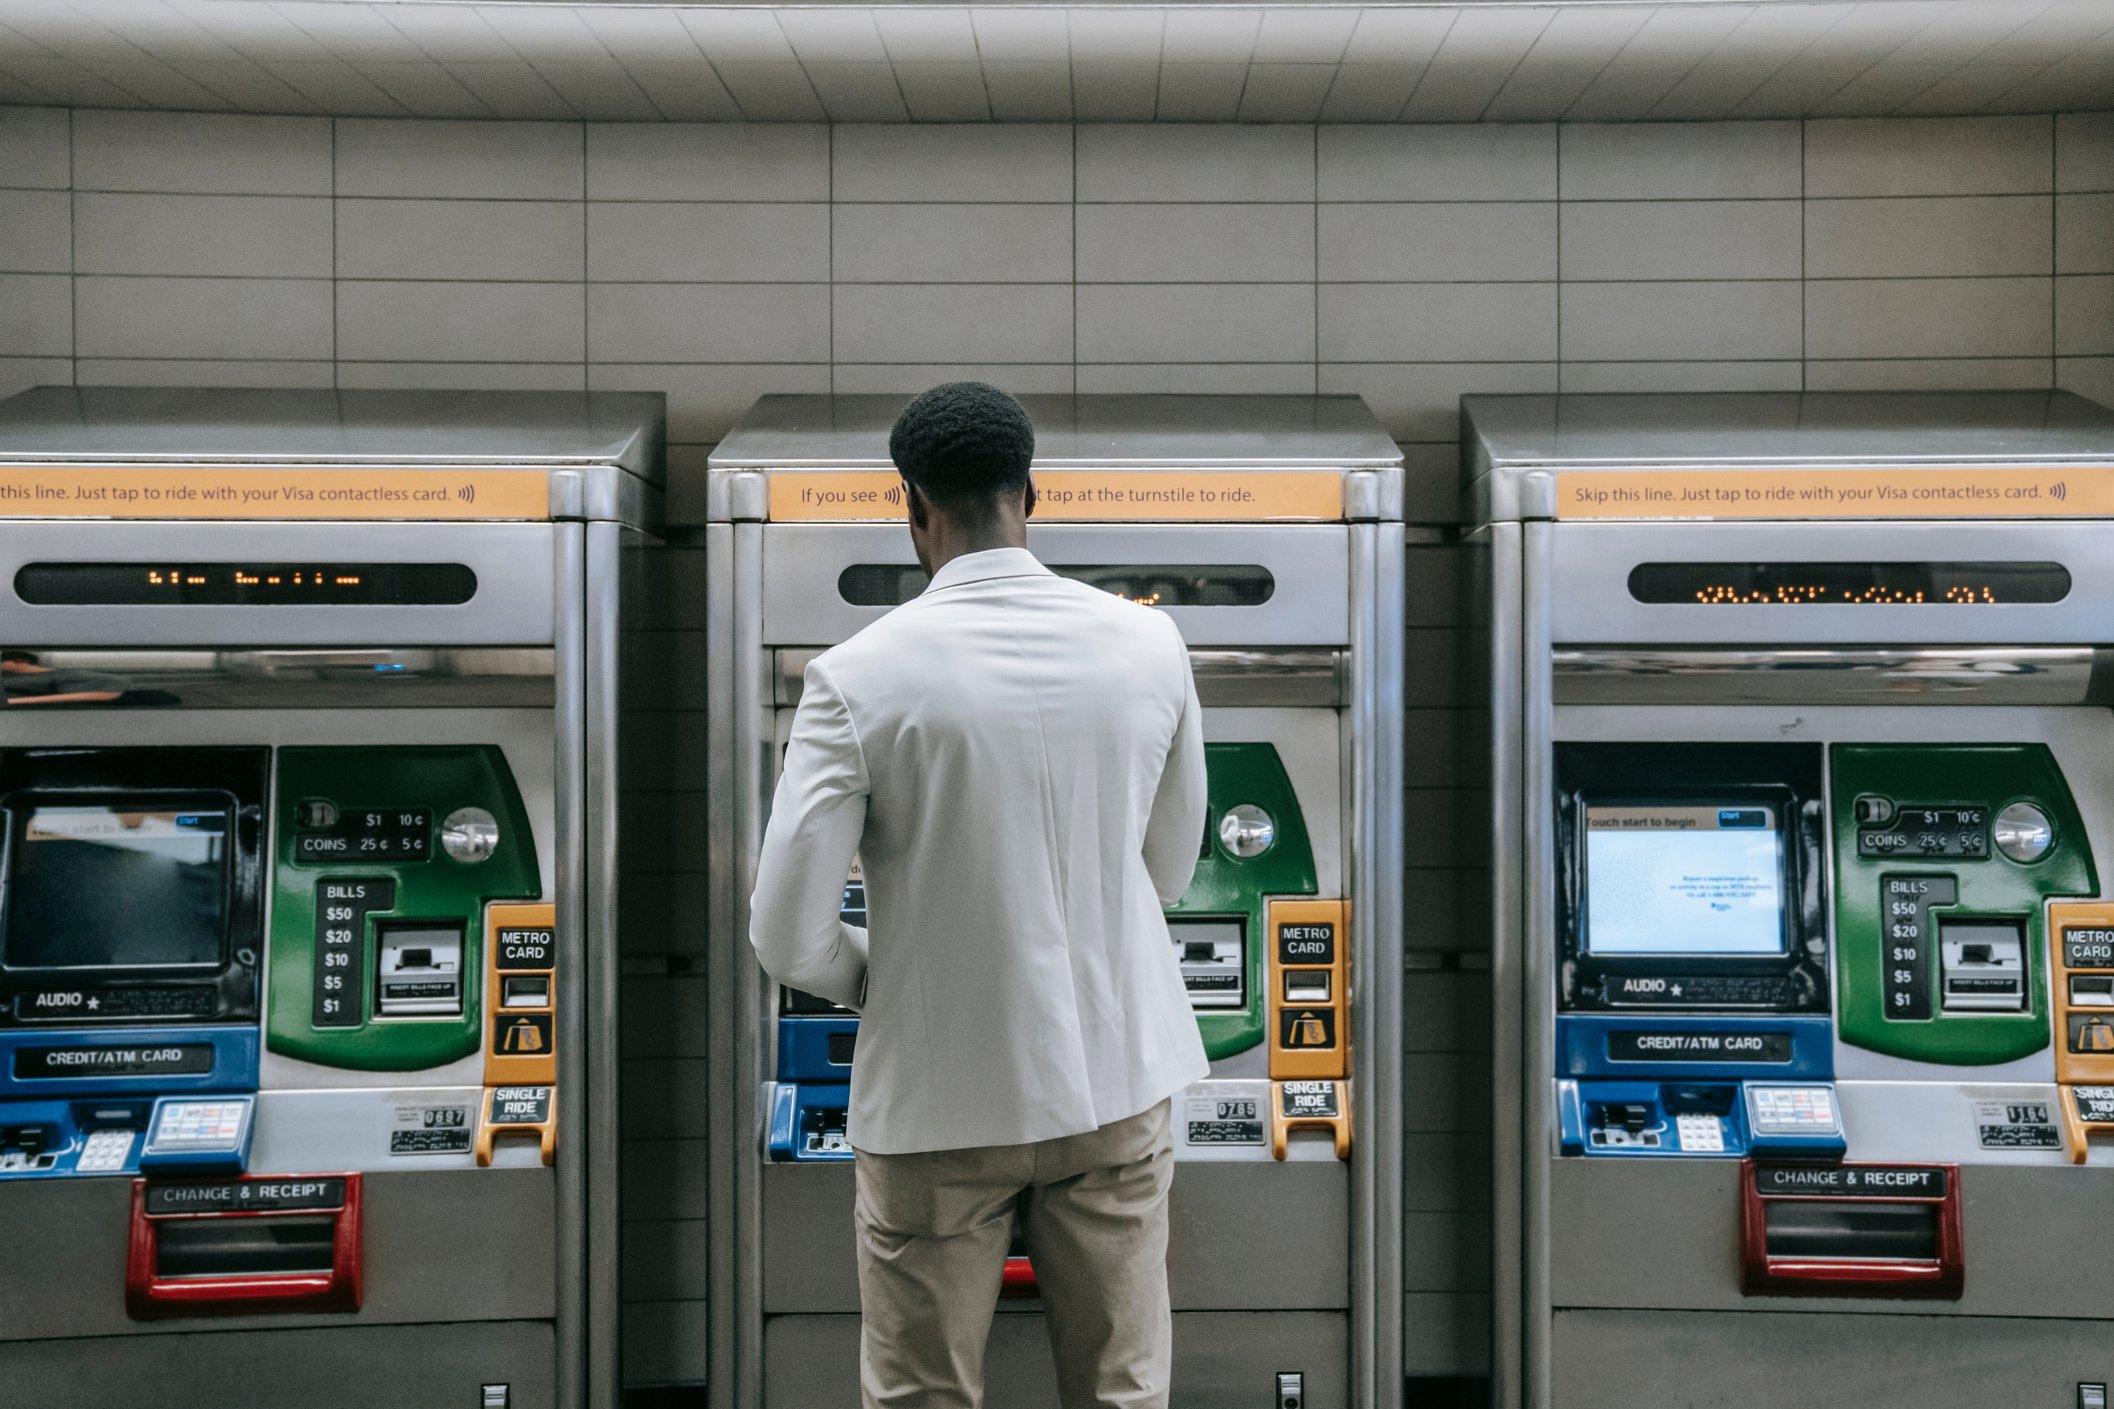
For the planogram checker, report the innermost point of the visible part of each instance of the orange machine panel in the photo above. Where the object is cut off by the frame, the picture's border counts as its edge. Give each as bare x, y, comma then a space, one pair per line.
2081, 961
521, 1020
1308, 972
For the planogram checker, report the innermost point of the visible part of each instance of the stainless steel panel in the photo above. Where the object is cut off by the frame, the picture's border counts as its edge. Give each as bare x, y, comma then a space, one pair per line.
1537, 1015
1998, 675
1311, 679
1831, 1356
825, 432
1494, 564
343, 1367
1374, 764
300, 1132
422, 677
590, 1243
727, 958
180, 425
1310, 562
444, 1246
1936, 1120
513, 605
1514, 440
1223, 1252
1593, 605
1221, 1359
1664, 1234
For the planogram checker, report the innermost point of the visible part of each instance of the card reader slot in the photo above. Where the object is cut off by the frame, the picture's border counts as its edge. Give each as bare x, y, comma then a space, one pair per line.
1840, 1231
245, 1247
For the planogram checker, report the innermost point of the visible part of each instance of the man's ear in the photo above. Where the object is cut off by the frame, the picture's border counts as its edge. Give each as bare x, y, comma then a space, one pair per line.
915, 502
1028, 512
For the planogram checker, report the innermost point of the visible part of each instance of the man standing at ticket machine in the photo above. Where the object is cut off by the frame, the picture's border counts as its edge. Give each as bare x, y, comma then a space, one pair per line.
1017, 761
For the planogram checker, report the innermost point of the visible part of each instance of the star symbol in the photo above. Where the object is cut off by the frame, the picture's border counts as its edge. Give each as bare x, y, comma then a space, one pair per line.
1676, 990
94, 1003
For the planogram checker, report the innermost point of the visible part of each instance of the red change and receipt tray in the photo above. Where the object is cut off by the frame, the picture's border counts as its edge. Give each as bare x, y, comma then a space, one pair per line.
261, 1243
1852, 1230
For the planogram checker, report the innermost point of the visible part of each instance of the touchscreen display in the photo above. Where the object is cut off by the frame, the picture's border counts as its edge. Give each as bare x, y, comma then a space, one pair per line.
1700, 879
103, 886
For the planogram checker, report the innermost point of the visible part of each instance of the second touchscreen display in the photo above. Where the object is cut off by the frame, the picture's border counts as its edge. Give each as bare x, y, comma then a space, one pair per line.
1689, 878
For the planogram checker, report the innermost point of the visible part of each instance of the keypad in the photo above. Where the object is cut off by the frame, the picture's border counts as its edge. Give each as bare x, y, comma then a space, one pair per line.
193, 1125
105, 1151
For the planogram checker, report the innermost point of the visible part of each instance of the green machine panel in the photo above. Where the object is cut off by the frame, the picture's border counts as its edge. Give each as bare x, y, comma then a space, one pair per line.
1232, 886
377, 932
1940, 928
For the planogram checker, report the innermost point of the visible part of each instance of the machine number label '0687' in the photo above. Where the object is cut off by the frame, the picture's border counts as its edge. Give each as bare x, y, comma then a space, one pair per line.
1224, 1120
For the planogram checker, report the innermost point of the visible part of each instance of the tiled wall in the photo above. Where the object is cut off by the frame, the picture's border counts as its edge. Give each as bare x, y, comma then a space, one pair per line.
1408, 264
719, 261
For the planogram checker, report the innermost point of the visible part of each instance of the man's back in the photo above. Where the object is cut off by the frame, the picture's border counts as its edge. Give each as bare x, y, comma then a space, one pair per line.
1030, 758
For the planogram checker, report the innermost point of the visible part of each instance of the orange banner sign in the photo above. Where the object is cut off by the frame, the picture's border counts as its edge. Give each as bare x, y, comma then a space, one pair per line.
1245, 496
1976, 492
253, 492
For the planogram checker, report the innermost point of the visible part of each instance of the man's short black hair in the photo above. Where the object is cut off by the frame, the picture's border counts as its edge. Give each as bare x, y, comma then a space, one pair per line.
962, 442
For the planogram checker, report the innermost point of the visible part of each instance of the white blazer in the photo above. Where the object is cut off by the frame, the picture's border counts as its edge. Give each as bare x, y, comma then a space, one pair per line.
1018, 762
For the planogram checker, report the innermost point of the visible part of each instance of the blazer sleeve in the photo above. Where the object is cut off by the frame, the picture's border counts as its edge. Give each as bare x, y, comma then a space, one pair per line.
818, 815
1176, 825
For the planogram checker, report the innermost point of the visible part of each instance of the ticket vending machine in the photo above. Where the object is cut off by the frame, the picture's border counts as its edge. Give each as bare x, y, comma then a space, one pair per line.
307, 897
1269, 529
1803, 774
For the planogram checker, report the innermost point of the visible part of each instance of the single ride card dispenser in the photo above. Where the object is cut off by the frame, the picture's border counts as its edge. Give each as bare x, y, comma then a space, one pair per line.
1693, 1012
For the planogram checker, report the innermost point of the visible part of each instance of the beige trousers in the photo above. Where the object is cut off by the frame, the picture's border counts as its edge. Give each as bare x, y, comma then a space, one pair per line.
933, 1231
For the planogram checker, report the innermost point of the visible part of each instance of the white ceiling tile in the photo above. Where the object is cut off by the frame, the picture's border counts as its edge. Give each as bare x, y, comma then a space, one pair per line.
833, 36
350, 31
942, 92
537, 32
1880, 89
1478, 56
1398, 36
922, 34
1119, 37
1029, 92
156, 29
1861, 39
1772, 37
338, 90
685, 90
1662, 53
1209, 36
425, 89
1305, 35
154, 82
449, 34
771, 92
1022, 36
254, 29
1564, 61
1200, 92
856, 92
1369, 92
599, 91
64, 79
2053, 34
15, 90
512, 88
639, 33
1115, 91
1966, 30
248, 86
1286, 92
1967, 90
737, 36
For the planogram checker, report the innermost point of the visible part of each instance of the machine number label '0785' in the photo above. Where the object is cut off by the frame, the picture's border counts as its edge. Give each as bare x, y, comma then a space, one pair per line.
1224, 1120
